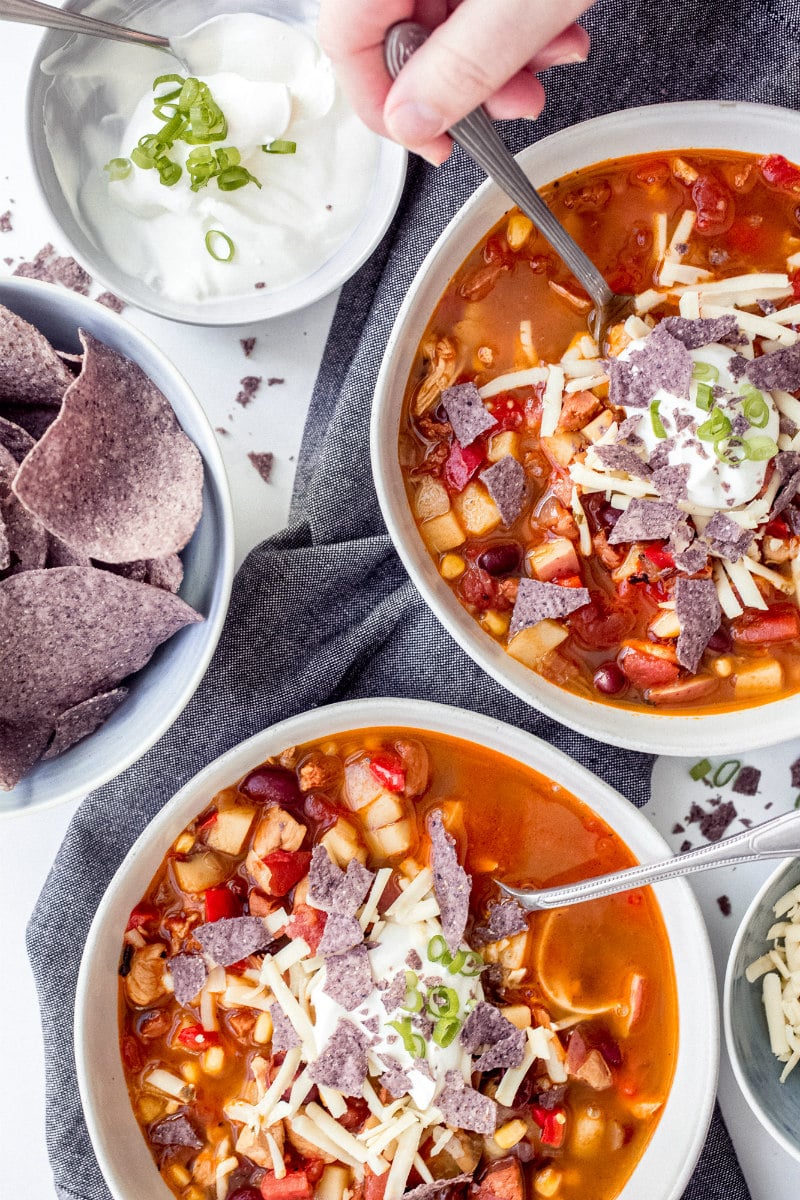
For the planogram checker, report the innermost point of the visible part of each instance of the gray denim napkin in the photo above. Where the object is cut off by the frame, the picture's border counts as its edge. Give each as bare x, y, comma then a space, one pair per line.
325, 611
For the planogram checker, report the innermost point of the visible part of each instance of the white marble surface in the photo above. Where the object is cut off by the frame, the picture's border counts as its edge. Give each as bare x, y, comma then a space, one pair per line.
213, 362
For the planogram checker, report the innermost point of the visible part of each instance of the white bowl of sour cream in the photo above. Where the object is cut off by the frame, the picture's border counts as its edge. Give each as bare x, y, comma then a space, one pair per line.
252, 199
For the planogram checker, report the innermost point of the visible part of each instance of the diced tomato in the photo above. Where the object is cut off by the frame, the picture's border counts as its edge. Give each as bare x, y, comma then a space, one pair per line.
295, 1185
780, 623
238, 968
778, 172
388, 770
659, 556
777, 528
141, 915
313, 1169
795, 282
552, 1122
286, 868
600, 625
194, 1037
652, 174
508, 415
479, 588
461, 464
210, 820
746, 237
131, 1055
307, 923
714, 204
221, 902
645, 669
374, 1185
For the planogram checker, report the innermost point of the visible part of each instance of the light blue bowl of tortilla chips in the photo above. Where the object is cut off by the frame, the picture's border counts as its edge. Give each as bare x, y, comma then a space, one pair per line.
116, 544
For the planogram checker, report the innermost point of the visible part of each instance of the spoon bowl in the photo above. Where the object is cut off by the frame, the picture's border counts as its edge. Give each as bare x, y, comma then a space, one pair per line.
32, 12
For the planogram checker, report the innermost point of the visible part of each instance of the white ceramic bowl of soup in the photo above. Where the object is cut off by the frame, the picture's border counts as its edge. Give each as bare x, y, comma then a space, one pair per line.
162, 688
123, 1155
81, 94
758, 129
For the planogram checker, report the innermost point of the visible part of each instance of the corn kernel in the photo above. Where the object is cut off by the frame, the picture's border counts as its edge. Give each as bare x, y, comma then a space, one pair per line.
171, 1107
518, 1014
518, 230
179, 1175
262, 1030
509, 1134
547, 1182
722, 666
190, 1072
194, 1193
150, 1108
452, 566
495, 622
184, 843
213, 1060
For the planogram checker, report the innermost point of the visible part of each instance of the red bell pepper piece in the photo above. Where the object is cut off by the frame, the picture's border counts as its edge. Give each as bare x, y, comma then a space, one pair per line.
780, 623
777, 528
194, 1037
552, 1122
461, 464
307, 923
286, 868
659, 556
778, 172
221, 902
295, 1185
388, 770
142, 914
210, 820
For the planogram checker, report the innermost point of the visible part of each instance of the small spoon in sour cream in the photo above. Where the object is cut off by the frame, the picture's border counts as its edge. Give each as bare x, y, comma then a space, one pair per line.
31, 12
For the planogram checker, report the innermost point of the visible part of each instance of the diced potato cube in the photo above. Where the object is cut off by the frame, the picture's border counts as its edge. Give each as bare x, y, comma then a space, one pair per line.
531, 645
561, 448
554, 559
443, 533
343, 843
476, 510
361, 784
518, 1014
262, 1030
452, 566
666, 624
430, 499
518, 230
213, 1060
201, 871
184, 842
230, 830
496, 623
178, 1175
510, 952
384, 810
150, 1108
392, 841
502, 444
333, 1183
599, 426
757, 678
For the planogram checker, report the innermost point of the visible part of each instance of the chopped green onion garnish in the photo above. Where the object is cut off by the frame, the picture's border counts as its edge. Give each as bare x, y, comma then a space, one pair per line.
797, 801
414, 1043
760, 448
437, 949
704, 397
730, 450
725, 772
169, 172
756, 410
474, 964
280, 146
658, 424
213, 239
445, 1030
716, 427
413, 1001
159, 79
233, 178
457, 963
705, 372
443, 1002
700, 769
118, 168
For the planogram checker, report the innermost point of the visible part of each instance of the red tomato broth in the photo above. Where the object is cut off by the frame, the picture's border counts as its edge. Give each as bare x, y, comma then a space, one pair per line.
498, 812
748, 212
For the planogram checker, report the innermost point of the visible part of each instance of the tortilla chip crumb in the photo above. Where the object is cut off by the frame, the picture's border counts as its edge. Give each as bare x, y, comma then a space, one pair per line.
724, 905
53, 268
249, 386
5, 222
109, 300
248, 345
273, 379
262, 463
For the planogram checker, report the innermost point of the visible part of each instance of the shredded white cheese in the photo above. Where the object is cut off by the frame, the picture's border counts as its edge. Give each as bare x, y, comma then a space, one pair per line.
552, 401
514, 379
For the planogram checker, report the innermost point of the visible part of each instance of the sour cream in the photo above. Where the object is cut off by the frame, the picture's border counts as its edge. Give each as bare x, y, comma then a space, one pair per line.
712, 483
272, 82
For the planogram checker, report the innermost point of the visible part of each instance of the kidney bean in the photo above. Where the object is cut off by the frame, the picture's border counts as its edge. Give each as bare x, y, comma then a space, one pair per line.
720, 641
245, 1193
609, 679
500, 558
271, 785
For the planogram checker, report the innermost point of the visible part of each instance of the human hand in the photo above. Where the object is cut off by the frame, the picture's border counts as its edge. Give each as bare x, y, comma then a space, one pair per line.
479, 52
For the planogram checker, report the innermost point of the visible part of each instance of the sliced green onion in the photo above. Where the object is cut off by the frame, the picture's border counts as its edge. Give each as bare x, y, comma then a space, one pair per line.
704, 397
715, 428
159, 79
118, 168
700, 769
437, 950
730, 450
413, 1001
213, 238
474, 964
190, 90
140, 159
705, 372
228, 156
725, 772
658, 424
457, 962
760, 448
173, 128
756, 410
279, 146
445, 1030
169, 172
797, 801
443, 1002
233, 178
414, 1043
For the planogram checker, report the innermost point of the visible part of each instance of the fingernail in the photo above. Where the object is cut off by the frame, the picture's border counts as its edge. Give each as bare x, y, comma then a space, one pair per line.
414, 123
577, 56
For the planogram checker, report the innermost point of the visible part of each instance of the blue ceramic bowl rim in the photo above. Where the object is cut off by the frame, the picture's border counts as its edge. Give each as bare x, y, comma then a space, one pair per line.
199, 640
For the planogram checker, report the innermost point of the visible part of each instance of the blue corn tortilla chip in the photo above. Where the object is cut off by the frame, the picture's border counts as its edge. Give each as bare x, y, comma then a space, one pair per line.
507, 1052
645, 521
231, 939
703, 331
31, 372
747, 781
82, 719
699, 614
451, 883
15, 439
691, 559
343, 1062
778, 370
394, 994
671, 482
485, 1026
437, 1189
189, 972
341, 934
176, 1131
27, 539
787, 465
726, 538
506, 918
466, 412
626, 431
620, 457
284, 1034
395, 1080
464, 1108
348, 977
505, 482
662, 362
334, 890
539, 601
8, 471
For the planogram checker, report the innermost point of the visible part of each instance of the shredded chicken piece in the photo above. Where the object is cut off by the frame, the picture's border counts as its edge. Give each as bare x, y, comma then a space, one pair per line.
442, 357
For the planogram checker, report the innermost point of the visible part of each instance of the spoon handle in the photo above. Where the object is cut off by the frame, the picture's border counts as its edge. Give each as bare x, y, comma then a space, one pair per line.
476, 134
31, 12
772, 839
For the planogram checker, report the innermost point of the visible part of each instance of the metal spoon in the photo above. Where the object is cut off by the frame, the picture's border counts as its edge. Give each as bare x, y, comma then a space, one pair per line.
31, 12
777, 838
476, 134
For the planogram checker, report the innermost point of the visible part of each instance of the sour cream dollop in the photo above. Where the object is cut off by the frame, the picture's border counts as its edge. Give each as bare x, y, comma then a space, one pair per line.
272, 82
